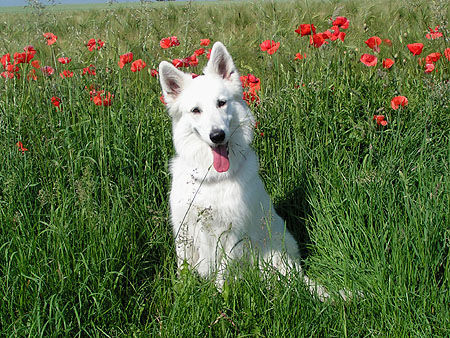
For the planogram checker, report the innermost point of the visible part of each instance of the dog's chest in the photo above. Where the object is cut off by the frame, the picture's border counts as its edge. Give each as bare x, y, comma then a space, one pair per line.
214, 207
221, 206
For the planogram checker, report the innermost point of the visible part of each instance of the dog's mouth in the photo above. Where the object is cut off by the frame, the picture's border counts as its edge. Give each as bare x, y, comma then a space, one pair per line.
220, 158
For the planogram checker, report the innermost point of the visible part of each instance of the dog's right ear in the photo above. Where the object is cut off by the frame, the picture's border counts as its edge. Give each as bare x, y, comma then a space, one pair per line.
221, 63
172, 81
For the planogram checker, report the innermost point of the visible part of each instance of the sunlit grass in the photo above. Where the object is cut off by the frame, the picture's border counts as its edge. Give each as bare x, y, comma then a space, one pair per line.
85, 240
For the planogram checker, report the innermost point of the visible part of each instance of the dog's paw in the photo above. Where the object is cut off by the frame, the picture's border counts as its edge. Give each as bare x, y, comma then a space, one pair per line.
323, 294
348, 296
320, 292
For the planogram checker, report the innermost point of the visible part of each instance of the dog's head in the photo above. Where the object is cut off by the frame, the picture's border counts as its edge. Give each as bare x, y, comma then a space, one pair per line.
211, 122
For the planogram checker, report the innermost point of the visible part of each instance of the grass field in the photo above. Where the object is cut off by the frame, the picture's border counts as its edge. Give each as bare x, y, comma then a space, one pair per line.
85, 241
73, 7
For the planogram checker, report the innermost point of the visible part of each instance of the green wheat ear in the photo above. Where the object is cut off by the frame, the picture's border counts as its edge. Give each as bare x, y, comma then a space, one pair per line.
226, 291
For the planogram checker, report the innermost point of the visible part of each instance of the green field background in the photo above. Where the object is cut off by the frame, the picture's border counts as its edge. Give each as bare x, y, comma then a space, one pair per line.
86, 247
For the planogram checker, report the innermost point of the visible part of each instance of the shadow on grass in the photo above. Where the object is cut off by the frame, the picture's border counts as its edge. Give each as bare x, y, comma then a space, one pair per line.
294, 209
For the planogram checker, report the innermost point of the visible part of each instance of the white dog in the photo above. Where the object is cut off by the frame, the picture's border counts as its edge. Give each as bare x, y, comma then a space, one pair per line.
219, 207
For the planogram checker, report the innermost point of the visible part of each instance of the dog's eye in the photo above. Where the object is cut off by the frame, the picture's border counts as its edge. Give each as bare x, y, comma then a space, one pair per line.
195, 110
221, 103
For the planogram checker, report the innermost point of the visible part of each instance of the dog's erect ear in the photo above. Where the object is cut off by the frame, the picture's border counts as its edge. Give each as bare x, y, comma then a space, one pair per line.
172, 80
220, 62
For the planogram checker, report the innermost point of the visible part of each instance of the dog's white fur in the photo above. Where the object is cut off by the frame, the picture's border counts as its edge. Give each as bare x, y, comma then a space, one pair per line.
218, 216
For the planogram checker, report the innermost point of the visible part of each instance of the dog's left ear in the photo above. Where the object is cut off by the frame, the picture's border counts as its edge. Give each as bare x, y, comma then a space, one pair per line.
172, 80
221, 63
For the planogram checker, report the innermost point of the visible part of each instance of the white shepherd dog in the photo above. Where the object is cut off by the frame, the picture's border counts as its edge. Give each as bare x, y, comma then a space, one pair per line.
220, 209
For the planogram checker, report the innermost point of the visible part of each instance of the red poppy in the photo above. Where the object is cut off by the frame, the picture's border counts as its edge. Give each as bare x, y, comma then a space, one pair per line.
269, 46
103, 101
12, 67
35, 64
398, 101
194, 75
91, 44
97, 98
161, 98
306, 29
165, 43
299, 56
193, 61
432, 58
334, 34
124, 59
11, 71
56, 101
169, 42
66, 73
20, 58
251, 79
387, 42
415, 48
380, 119
429, 67
89, 70
5, 59
100, 98
369, 60
7, 75
374, 43
447, 53
154, 72
327, 34
64, 60
208, 55
204, 42
138, 65
387, 63
21, 147
341, 21
341, 36
174, 41
47, 70
252, 82
434, 34
32, 75
318, 39
178, 63
26, 56
186, 62
244, 81
199, 51
250, 97
30, 52
51, 38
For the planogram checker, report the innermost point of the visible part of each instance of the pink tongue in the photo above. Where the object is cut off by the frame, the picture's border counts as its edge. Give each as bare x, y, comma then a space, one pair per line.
221, 162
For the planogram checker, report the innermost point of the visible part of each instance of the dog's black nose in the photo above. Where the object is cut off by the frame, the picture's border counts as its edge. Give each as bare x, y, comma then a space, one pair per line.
217, 135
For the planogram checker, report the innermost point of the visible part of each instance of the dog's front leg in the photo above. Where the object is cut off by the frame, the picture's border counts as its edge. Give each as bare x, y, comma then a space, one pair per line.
185, 247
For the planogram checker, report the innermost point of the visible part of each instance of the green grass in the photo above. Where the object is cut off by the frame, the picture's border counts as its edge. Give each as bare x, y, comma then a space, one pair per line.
85, 240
